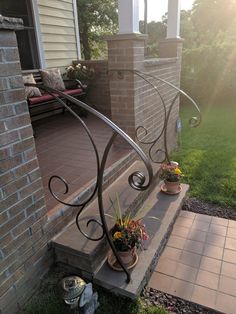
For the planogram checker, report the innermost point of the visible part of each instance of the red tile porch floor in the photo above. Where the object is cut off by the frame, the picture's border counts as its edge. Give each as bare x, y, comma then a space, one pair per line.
64, 149
199, 262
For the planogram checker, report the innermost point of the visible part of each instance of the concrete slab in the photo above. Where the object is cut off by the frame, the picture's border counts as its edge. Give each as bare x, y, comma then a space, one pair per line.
166, 209
211, 280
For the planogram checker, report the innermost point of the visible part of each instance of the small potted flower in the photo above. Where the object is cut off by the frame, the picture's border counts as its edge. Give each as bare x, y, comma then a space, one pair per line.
171, 174
128, 234
80, 72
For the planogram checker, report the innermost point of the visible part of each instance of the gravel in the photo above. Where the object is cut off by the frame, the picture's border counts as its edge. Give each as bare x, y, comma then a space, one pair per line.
197, 206
173, 304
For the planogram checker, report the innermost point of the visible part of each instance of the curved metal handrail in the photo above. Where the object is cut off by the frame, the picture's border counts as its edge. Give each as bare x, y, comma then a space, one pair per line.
137, 179
141, 184
193, 121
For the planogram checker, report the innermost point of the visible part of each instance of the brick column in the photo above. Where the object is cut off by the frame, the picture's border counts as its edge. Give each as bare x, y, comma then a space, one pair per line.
171, 48
22, 206
125, 52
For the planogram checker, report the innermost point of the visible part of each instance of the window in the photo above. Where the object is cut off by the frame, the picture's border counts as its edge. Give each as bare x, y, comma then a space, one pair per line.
26, 38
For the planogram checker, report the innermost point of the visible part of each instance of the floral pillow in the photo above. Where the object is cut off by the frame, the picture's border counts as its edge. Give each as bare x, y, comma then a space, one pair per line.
52, 78
29, 90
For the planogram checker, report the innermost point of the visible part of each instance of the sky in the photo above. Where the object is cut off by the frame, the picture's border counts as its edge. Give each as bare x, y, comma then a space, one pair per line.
157, 8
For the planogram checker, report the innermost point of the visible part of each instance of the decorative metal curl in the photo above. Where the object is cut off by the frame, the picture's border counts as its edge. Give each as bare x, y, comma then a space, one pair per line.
87, 225
143, 183
193, 122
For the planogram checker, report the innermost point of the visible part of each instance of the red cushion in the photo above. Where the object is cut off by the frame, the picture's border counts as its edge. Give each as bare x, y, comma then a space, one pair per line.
47, 97
39, 99
73, 91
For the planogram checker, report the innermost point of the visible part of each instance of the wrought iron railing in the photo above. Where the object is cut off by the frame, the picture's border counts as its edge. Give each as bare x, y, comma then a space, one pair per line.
137, 180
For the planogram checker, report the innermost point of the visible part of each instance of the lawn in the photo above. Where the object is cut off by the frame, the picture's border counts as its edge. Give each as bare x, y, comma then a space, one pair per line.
48, 300
51, 303
207, 154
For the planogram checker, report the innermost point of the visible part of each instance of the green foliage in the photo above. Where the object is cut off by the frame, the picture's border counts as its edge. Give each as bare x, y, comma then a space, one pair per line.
97, 18
109, 302
48, 300
156, 32
208, 154
51, 303
209, 55
48, 303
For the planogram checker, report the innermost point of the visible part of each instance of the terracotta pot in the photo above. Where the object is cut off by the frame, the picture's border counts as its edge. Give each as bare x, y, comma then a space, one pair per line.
172, 187
127, 257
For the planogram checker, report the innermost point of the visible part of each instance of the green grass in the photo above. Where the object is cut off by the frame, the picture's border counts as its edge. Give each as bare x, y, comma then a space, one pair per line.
51, 303
207, 154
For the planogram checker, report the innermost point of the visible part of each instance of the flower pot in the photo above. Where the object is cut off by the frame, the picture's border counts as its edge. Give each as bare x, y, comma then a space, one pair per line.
172, 187
127, 257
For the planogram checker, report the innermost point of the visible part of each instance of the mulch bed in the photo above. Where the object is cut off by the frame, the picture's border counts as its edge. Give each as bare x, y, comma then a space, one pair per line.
173, 304
197, 206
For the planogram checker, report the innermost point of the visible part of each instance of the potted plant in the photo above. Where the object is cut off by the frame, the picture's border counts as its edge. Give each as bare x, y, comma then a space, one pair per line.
80, 72
128, 234
171, 174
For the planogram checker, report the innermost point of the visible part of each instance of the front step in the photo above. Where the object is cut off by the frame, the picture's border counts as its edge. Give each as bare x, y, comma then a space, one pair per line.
72, 248
166, 208
89, 257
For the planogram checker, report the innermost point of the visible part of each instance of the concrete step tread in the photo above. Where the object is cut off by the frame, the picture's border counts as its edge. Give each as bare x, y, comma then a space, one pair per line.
73, 242
166, 209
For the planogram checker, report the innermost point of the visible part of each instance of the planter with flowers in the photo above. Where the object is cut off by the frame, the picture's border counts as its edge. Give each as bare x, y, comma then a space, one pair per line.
128, 234
81, 73
171, 174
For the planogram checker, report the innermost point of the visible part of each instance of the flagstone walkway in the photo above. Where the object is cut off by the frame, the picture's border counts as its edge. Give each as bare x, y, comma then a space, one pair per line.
199, 262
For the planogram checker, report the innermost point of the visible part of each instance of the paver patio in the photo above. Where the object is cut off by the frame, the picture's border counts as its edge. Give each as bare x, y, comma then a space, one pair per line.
199, 262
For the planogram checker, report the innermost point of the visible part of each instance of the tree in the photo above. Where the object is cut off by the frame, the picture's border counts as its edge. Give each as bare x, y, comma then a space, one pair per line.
156, 32
97, 18
209, 55
210, 17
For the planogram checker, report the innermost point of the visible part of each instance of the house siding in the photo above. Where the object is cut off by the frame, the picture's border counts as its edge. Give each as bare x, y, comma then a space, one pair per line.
58, 32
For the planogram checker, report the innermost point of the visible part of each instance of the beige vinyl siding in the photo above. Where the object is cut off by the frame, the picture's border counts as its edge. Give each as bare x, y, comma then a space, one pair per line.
58, 32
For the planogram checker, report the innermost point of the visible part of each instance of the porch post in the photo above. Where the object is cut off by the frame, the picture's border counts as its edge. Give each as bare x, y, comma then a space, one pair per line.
22, 204
173, 22
171, 47
128, 11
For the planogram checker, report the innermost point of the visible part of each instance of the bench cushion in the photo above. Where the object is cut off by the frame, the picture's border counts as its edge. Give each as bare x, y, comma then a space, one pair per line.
47, 97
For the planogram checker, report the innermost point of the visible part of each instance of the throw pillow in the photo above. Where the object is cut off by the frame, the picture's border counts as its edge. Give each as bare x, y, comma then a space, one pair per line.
29, 90
52, 78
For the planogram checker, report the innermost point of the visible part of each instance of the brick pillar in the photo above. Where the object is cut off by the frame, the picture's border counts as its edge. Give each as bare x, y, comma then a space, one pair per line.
22, 206
171, 48
125, 51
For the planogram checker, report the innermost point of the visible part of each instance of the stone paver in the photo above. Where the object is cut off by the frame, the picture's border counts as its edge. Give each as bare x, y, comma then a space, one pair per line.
199, 262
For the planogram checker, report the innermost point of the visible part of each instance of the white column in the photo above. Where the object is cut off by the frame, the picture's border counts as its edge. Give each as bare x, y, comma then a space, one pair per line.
128, 11
173, 23
77, 29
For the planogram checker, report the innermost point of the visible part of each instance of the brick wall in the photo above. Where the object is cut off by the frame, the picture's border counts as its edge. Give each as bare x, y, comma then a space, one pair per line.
98, 92
124, 52
23, 245
133, 101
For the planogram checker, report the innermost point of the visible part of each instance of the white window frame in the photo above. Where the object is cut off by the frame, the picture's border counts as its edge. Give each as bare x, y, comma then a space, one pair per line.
38, 34
77, 29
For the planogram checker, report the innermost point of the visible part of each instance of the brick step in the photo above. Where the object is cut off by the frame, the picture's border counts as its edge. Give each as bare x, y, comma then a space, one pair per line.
166, 208
72, 248
59, 212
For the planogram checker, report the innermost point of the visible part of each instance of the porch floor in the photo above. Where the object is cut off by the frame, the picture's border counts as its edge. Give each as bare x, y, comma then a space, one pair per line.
199, 262
64, 149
